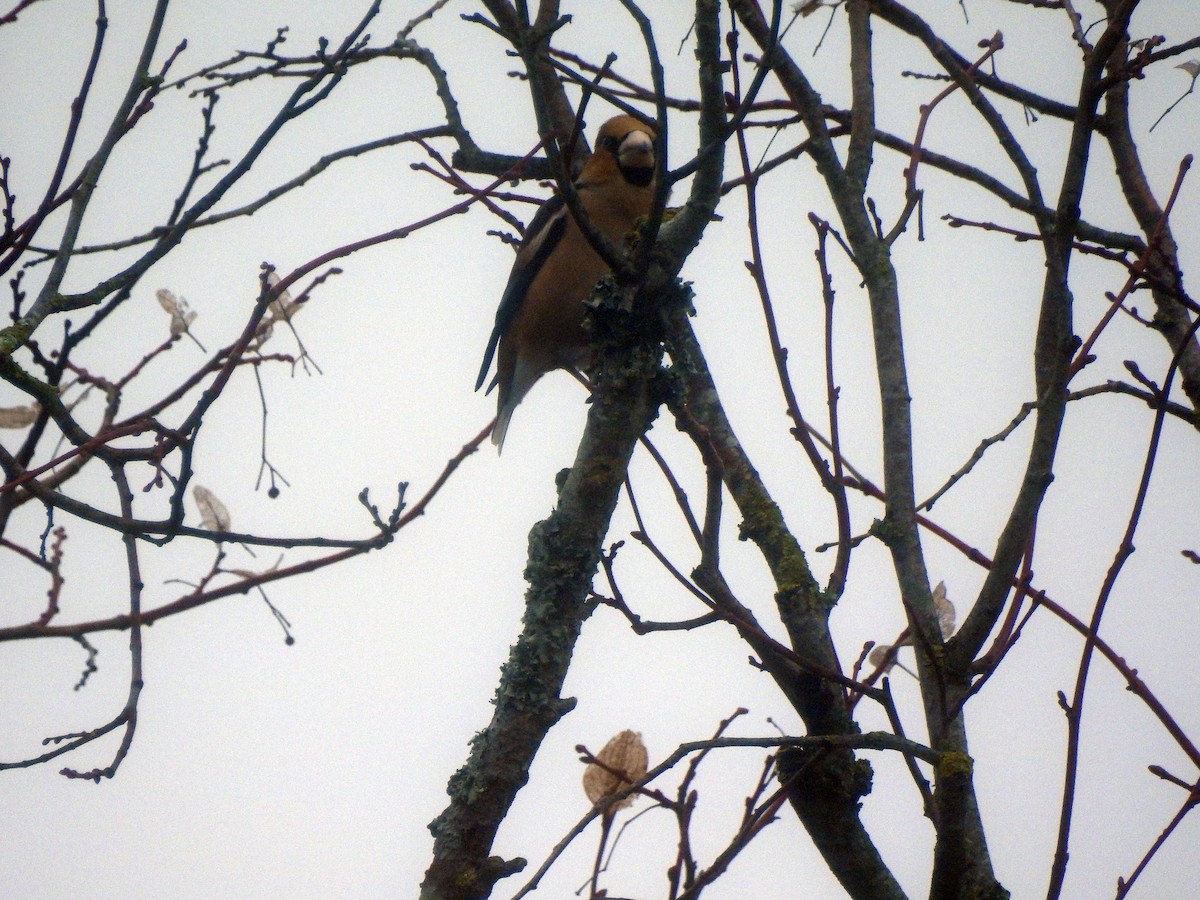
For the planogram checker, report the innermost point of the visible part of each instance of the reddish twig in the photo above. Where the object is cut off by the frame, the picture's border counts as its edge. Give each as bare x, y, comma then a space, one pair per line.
200, 598
912, 194
83, 450
1074, 709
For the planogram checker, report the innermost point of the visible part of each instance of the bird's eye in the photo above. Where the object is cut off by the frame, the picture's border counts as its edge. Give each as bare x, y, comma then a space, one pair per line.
610, 143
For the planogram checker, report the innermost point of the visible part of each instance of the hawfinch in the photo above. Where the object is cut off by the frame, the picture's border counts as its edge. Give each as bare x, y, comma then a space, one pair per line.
539, 325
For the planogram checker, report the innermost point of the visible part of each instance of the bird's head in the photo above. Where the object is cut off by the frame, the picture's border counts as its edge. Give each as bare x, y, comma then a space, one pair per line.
630, 144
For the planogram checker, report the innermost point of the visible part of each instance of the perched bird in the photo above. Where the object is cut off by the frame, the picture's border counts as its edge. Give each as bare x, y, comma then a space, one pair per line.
539, 325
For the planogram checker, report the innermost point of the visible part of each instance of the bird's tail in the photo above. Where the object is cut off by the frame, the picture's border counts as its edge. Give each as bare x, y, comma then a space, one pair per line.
525, 374
501, 427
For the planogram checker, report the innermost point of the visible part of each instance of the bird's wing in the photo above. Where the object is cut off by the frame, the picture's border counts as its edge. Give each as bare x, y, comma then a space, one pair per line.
541, 237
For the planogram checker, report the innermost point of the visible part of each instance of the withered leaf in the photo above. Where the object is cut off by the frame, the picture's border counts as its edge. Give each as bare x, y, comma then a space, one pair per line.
213, 514
624, 753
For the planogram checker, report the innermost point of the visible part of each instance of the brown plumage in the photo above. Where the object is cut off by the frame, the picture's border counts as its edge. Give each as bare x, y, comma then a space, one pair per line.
539, 325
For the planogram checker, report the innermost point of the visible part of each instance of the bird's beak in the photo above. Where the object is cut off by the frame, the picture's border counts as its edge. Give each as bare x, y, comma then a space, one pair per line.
636, 151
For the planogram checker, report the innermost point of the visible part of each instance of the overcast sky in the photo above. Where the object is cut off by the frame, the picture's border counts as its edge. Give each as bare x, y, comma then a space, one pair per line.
261, 769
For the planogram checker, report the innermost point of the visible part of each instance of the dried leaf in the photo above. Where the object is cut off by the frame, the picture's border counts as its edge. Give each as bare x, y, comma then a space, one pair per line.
18, 416
283, 306
213, 514
807, 8
262, 333
626, 754
946, 614
181, 316
249, 573
1192, 67
882, 656
281, 309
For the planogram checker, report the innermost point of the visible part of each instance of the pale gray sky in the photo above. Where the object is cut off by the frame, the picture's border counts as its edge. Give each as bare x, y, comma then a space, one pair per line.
312, 770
